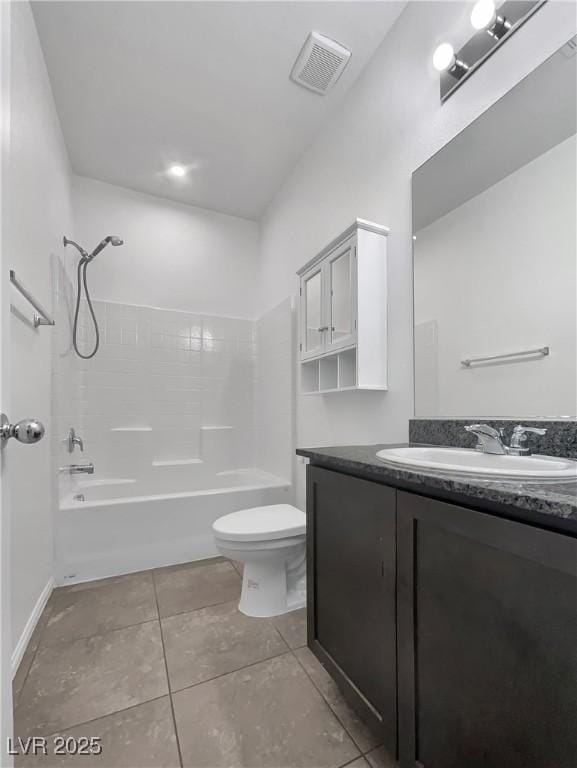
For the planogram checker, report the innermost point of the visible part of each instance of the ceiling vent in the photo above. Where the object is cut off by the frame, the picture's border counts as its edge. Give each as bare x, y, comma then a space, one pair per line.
320, 63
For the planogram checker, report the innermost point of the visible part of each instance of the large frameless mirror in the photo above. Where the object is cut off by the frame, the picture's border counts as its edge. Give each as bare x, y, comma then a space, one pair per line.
494, 230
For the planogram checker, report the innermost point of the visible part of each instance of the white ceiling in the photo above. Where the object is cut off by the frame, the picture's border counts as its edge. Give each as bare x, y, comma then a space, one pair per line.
139, 85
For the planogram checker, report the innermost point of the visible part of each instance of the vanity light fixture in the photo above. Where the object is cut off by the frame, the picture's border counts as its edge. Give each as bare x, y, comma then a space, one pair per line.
444, 60
484, 16
494, 22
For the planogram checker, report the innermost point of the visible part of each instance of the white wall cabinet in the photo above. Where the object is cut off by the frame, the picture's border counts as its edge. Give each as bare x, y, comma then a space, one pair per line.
343, 313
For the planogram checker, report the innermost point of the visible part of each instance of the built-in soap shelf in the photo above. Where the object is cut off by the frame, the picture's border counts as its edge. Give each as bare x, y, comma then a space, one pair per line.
332, 373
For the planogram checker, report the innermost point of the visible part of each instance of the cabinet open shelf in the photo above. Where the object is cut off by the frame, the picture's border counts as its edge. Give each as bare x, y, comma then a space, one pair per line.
334, 372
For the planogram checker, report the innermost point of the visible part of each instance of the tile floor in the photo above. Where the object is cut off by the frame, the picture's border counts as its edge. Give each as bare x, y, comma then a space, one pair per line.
163, 668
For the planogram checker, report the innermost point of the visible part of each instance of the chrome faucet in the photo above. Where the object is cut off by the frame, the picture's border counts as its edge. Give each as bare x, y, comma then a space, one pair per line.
73, 440
490, 440
519, 437
79, 469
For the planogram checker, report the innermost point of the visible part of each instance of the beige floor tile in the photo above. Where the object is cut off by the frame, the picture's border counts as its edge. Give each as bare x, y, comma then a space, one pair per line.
28, 656
238, 566
71, 683
140, 737
85, 610
268, 715
184, 588
213, 641
293, 627
360, 762
106, 582
364, 738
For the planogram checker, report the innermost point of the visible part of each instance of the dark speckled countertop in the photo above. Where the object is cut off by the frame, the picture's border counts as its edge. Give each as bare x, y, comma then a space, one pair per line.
552, 505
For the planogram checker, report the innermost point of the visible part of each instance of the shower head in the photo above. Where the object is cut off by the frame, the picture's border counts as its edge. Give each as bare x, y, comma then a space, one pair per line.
112, 239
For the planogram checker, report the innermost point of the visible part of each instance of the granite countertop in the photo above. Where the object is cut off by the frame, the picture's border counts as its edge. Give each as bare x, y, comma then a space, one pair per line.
555, 503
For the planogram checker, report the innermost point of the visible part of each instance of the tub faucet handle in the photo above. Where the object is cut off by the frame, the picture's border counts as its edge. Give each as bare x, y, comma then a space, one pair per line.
74, 440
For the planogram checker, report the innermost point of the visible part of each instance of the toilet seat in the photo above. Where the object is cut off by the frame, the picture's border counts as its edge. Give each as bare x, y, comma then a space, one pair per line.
276, 521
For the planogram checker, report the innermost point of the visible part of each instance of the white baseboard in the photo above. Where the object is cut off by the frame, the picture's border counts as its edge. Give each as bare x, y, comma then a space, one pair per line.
30, 626
120, 562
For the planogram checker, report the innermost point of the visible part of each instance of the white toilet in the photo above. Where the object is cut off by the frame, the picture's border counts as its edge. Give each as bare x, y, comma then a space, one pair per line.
270, 541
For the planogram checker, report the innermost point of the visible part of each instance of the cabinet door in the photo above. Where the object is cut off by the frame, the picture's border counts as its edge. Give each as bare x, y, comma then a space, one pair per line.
340, 279
487, 612
313, 329
351, 590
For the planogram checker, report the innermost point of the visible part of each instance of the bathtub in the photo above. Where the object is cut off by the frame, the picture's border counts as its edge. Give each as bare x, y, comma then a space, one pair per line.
111, 526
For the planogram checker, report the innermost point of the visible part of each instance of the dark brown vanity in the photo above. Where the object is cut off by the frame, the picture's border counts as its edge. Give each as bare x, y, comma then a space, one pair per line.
445, 607
446, 611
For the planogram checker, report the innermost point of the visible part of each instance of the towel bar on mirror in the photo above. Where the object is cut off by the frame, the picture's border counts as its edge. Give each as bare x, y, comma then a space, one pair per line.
41, 316
468, 361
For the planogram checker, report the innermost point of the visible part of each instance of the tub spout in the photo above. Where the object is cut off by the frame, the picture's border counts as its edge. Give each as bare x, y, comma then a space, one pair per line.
79, 469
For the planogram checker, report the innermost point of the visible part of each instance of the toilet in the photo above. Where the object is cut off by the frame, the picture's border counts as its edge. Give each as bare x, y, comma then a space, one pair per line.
270, 541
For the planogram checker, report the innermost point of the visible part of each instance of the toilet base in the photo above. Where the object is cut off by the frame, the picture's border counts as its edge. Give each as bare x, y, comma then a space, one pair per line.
265, 591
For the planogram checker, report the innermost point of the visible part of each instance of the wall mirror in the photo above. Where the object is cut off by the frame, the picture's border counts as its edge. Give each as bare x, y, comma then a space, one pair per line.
494, 243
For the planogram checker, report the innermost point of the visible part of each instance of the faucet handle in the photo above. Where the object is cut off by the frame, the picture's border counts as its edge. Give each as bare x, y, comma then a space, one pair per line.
519, 436
73, 440
520, 432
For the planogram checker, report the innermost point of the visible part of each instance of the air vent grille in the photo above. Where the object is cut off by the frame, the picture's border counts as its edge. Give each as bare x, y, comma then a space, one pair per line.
320, 63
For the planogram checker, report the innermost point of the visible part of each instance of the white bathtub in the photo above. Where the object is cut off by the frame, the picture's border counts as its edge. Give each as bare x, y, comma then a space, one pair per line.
124, 525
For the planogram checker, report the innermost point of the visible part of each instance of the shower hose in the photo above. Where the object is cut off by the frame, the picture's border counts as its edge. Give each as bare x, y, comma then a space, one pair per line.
81, 281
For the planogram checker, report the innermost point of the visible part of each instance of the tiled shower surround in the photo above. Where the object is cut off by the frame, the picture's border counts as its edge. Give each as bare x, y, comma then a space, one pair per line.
170, 386
173, 387
167, 387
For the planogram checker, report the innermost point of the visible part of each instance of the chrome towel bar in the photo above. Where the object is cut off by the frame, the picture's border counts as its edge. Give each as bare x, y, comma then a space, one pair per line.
41, 316
467, 362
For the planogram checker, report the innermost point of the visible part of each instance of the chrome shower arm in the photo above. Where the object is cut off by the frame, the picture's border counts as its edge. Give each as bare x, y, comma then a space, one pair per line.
79, 248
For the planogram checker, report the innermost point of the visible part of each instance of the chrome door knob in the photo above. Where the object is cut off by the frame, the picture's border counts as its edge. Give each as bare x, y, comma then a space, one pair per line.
26, 431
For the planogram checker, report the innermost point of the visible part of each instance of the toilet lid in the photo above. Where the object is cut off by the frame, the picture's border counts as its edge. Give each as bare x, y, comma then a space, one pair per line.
276, 521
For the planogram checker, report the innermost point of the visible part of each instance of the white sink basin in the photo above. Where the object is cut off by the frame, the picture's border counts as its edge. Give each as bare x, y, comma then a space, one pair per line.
465, 462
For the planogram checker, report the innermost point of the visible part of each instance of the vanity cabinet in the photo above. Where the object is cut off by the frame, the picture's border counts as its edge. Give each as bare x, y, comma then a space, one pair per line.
343, 313
487, 623
452, 629
351, 580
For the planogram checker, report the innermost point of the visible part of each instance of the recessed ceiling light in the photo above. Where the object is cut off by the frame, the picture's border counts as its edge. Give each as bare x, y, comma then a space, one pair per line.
177, 171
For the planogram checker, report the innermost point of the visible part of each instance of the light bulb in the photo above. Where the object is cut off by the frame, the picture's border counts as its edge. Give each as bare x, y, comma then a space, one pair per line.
483, 14
444, 57
176, 170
